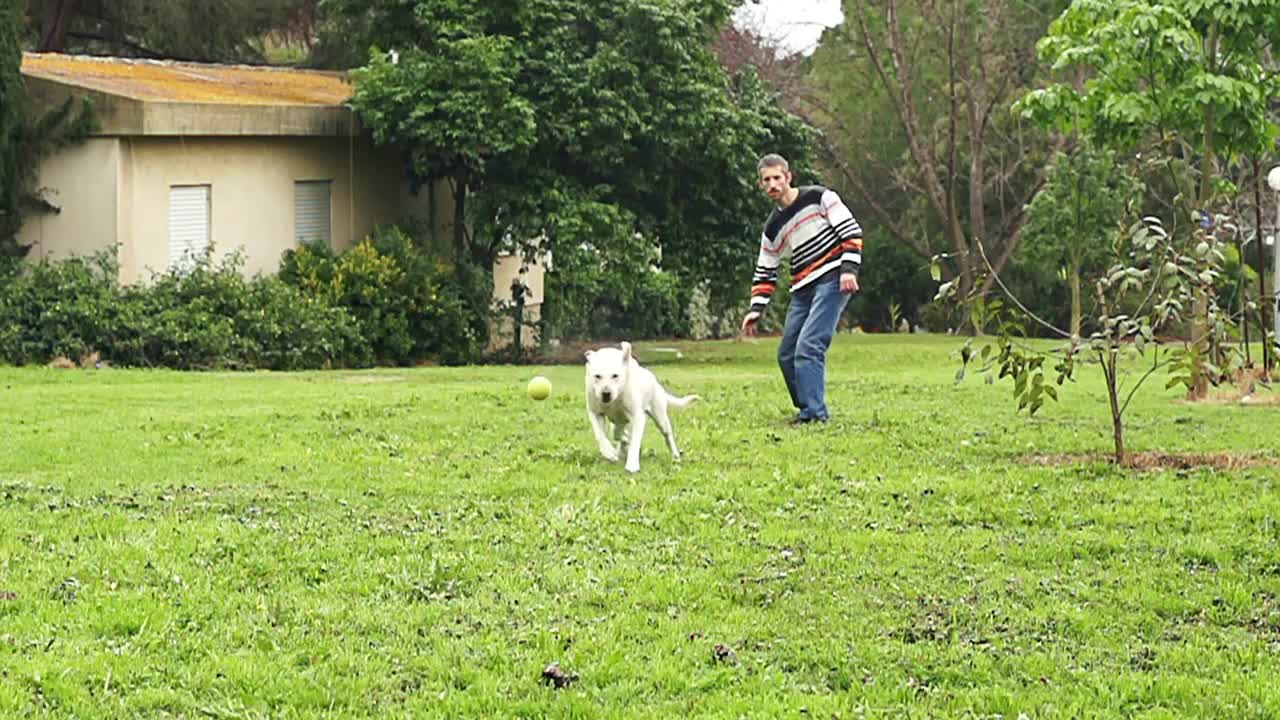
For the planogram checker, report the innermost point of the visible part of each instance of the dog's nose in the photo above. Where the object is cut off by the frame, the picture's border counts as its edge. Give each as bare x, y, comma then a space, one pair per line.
607, 397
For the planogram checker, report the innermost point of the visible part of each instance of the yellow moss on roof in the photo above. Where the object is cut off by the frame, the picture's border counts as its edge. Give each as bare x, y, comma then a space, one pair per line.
165, 81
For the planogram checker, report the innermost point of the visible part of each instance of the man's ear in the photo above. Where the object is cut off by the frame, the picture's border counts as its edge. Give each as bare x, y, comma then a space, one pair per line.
626, 351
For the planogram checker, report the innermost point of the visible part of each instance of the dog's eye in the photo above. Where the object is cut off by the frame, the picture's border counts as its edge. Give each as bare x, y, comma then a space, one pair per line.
598, 377
615, 376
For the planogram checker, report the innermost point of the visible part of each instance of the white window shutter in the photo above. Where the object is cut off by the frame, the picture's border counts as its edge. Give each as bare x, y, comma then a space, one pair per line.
311, 213
188, 224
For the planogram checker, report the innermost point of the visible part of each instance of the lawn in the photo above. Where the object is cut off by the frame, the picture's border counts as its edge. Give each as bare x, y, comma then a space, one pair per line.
425, 542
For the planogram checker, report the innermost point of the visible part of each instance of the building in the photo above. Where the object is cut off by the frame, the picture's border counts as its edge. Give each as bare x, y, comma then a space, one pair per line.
191, 158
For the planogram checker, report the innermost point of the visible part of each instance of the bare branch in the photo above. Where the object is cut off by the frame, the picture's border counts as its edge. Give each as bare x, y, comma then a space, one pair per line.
1156, 365
883, 217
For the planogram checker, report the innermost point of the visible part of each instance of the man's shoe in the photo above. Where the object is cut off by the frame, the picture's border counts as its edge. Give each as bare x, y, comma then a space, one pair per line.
806, 420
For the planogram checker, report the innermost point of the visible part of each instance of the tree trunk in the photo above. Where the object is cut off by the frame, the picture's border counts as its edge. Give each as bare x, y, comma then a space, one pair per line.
1200, 341
55, 23
1262, 271
1075, 301
1109, 369
459, 217
1200, 309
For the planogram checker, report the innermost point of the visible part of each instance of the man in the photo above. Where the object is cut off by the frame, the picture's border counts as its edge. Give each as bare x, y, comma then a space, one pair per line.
814, 227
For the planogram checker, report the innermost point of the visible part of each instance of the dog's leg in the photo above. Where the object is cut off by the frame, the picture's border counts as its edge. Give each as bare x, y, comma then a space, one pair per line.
663, 420
607, 449
621, 434
634, 436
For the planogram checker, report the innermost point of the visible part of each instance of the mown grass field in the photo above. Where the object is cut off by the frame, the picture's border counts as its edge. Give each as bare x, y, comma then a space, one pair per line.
424, 542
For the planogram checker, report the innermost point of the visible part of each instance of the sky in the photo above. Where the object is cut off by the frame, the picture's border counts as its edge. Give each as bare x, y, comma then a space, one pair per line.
795, 24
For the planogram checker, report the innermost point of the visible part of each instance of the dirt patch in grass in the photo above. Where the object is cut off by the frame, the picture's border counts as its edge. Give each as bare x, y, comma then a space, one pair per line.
1160, 460
1248, 386
368, 379
1260, 398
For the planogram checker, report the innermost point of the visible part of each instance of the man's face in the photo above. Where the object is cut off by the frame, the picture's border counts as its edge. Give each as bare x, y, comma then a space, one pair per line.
775, 182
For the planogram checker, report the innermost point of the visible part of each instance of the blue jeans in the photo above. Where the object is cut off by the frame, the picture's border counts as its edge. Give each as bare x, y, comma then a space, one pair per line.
806, 335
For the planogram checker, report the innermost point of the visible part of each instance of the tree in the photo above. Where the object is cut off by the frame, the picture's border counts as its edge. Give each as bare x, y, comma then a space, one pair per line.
27, 137
12, 114
1148, 287
1073, 222
570, 124
195, 30
915, 94
896, 284
749, 49
1184, 78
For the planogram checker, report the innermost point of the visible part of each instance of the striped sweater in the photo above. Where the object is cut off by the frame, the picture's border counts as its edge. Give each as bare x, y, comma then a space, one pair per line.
819, 233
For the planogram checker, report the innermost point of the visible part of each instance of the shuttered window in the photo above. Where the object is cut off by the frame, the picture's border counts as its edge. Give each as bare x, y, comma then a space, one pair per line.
311, 211
188, 224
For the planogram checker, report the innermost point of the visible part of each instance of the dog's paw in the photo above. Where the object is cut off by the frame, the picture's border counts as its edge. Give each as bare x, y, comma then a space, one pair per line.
633, 467
610, 454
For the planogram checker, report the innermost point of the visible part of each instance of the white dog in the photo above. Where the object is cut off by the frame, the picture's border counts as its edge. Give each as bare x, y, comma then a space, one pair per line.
622, 392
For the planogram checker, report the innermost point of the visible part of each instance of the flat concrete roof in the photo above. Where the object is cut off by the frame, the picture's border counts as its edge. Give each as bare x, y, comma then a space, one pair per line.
168, 81
160, 97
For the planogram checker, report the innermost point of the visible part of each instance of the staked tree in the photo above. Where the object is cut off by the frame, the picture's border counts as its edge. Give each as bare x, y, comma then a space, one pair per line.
1187, 80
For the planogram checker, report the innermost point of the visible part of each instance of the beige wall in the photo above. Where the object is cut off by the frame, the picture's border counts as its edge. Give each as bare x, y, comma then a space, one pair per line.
116, 190
505, 269
433, 208
251, 193
82, 181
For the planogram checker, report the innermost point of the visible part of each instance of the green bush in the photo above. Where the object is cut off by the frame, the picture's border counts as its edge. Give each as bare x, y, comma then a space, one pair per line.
593, 305
57, 308
941, 316
408, 304
184, 320
212, 317
382, 301
622, 296
710, 321
894, 283
209, 317
291, 330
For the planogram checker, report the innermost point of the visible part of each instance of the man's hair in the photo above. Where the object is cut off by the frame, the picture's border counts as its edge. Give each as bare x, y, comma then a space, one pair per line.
773, 160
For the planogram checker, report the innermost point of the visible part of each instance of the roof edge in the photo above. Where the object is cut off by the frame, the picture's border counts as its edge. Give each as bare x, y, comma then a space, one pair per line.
115, 59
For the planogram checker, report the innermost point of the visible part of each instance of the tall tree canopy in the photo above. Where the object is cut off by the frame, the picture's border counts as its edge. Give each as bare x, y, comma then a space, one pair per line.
576, 123
916, 96
198, 30
1079, 217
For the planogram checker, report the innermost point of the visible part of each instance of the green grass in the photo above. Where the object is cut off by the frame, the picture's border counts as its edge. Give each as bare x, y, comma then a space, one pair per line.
423, 542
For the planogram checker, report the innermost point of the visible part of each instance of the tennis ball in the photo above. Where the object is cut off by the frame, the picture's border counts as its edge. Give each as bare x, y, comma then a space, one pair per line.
539, 388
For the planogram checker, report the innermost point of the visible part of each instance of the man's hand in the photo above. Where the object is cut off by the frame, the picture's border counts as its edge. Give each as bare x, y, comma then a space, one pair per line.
848, 283
749, 323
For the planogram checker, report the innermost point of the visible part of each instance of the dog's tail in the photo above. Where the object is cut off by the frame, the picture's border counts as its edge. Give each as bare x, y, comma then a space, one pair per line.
681, 402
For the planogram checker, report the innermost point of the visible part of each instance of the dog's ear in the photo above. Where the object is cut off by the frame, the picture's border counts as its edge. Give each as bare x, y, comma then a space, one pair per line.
626, 350
588, 354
